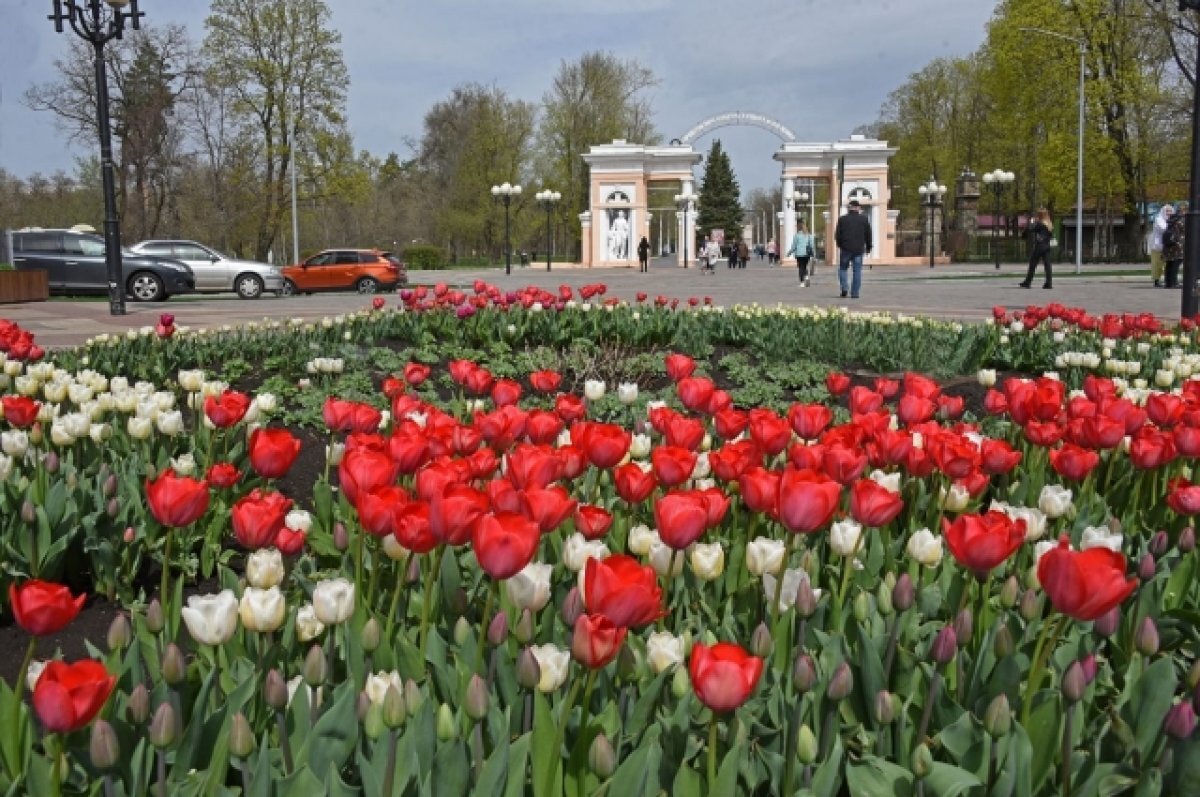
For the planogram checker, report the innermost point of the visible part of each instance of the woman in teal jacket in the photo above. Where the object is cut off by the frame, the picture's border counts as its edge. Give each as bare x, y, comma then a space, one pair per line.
802, 250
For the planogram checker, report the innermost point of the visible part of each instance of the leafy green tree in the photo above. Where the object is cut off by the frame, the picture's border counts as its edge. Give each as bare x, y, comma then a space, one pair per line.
720, 197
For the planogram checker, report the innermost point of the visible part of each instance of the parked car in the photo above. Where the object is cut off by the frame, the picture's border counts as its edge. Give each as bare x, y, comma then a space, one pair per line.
363, 270
74, 263
216, 271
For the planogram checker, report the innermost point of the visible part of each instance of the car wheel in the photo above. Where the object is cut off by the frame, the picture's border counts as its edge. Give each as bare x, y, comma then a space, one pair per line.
146, 287
366, 285
248, 286
289, 288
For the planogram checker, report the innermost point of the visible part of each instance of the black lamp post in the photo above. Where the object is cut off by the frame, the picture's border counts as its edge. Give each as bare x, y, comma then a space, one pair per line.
1191, 246
997, 179
548, 199
931, 198
506, 193
92, 24
686, 204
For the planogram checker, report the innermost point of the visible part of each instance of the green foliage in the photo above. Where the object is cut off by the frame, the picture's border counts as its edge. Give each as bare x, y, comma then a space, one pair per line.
720, 203
424, 257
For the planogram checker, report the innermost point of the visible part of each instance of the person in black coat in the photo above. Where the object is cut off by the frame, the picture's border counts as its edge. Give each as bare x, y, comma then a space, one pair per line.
1043, 237
853, 238
644, 254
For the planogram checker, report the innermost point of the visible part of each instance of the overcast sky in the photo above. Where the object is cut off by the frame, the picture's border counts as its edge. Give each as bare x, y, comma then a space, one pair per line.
821, 67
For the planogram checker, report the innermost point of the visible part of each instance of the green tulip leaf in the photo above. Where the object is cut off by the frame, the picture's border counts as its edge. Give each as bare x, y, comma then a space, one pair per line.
687, 783
827, 780
333, 737
638, 774
547, 753
1181, 580
518, 755
879, 778
301, 783
1149, 703
494, 775
727, 773
643, 710
945, 780
451, 775
1045, 736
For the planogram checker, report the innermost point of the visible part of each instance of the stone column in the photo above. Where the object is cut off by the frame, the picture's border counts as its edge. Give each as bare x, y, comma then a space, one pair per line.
585, 237
680, 232
789, 220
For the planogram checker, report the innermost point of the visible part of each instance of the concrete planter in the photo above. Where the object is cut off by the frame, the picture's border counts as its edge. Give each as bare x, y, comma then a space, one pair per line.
24, 286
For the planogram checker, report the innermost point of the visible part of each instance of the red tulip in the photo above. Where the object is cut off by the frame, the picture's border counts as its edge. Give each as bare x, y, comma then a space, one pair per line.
893, 446
1098, 387
760, 490
731, 461
227, 409
1184, 497
596, 640
683, 432
289, 541
20, 411
807, 457
672, 465
258, 517
545, 381
842, 464
724, 675
920, 385
807, 500
223, 475
574, 461
809, 420
1084, 585
501, 427
679, 366
505, 392
455, 513
548, 507
504, 543
915, 409
410, 526
42, 608
716, 505
478, 381
1151, 448
69, 696
695, 392
1100, 431
633, 484
885, 387
919, 463
364, 469
502, 496
570, 408
272, 452
542, 427
863, 400
771, 432
1072, 462
409, 448
1187, 441
624, 591
836, 383
593, 522
872, 504
955, 456
995, 403
1164, 409
1044, 434
415, 374
730, 423
533, 466
981, 542
681, 517
176, 501
376, 509
997, 456
604, 444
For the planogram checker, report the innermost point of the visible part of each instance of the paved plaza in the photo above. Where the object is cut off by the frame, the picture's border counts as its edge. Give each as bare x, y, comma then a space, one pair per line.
963, 292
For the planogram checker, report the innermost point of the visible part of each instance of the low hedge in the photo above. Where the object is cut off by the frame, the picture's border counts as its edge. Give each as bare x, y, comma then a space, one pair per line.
425, 257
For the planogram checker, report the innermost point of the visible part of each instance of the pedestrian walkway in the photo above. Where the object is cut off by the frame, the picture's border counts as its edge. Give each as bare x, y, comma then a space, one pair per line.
964, 292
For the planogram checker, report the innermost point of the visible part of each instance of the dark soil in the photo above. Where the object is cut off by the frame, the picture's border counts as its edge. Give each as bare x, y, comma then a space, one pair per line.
308, 467
91, 624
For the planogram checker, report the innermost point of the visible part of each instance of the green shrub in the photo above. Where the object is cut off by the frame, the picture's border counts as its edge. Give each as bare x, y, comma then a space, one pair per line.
6, 267
424, 257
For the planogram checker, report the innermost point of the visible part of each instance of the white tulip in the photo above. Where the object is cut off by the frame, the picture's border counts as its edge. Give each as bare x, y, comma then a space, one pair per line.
12, 368
642, 538
27, 385
986, 377
118, 384
664, 650
333, 601
925, 547
262, 610
1035, 521
266, 403
55, 392
264, 568
1040, 549
792, 579
639, 446
6, 467
708, 560
170, 423
293, 686
34, 673
956, 499
139, 428
1100, 537
664, 561
191, 381
125, 401
14, 442
166, 401
530, 588
765, 555
627, 392
60, 435
593, 389
1164, 378
553, 663
298, 520
334, 453
889, 480
844, 537
308, 627
378, 684
393, 550
703, 467
211, 619
578, 549
184, 464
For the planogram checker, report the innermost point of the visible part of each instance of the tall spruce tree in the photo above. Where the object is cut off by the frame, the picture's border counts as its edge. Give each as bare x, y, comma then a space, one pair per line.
720, 196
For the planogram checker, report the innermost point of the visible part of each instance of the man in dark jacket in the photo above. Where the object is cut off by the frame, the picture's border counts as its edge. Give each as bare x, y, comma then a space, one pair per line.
853, 238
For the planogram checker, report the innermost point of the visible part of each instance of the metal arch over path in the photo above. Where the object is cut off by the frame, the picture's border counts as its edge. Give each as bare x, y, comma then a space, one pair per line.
733, 118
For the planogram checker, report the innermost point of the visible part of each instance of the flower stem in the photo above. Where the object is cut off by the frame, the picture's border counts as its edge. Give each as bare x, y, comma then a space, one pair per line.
166, 573
389, 776
55, 746
712, 757
934, 688
430, 580
789, 766
586, 707
285, 744
1041, 653
1066, 750
486, 618
392, 605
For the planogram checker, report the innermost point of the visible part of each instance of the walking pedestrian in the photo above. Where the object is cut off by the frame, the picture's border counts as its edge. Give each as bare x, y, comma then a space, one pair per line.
771, 251
802, 250
644, 254
853, 238
1043, 241
712, 253
1173, 239
733, 254
1157, 261
743, 252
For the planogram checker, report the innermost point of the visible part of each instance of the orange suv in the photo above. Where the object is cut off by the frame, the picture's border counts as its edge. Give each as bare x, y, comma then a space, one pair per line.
362, 270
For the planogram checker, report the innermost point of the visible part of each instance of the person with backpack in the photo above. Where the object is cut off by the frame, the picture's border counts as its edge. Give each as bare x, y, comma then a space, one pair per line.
802, 250
1043, 241
1173, 239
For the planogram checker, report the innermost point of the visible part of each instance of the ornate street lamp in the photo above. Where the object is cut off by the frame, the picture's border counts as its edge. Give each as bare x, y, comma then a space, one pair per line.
997, 179
92, 24
548, 199
687, 206
931, 198
505, 193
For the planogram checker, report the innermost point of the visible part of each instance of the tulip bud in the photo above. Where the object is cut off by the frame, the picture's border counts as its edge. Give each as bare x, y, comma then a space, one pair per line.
394, 708
883, 599
760, 641
528, 671
1010, 592
861, 607
680, 683
446, 727
1159, 544
1181, 721
28, 512
1147, 567
103, 747
373, 724
154, 617
361, 705
241, 737
922, 762
137, 709
412, 575
477, 699
806, 599
601, 758
842, 682
572, 607
1193, 677
50, 463
462, 631
1088, 665
904, 593
341, 537
174, 669
369, 638
1030, 606
1073, 683
1187, 540
944, 645
1145, 639
997, 720
524, 630
806, 745
498, 629
804, 673
628, 666
275, 691
413, 698
118, 633
884, 708
110, 486
314, 666
964, 624
162, 727
1002, 643
1107, 623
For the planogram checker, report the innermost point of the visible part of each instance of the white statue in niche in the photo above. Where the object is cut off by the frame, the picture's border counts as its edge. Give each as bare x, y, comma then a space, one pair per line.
618, 237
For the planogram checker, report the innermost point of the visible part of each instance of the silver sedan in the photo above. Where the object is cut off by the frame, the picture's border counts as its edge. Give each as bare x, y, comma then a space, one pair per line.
215, 271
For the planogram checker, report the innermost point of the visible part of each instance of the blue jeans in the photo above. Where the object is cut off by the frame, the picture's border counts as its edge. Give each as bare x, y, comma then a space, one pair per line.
846, 259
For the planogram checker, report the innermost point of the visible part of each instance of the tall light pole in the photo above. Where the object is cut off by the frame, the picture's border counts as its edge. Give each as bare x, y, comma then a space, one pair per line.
931, 198
506, 192
1191, 246
1082, 45
90, 22
548, 199
997, 179
293, 167
686, 203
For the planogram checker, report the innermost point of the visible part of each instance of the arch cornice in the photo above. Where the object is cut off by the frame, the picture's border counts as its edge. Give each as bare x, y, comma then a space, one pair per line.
738, 118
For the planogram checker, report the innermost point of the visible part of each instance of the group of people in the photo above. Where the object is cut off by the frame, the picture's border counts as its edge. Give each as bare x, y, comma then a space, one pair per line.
1166, 245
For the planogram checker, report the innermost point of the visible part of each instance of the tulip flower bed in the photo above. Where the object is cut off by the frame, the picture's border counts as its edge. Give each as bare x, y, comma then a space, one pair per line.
499, 577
